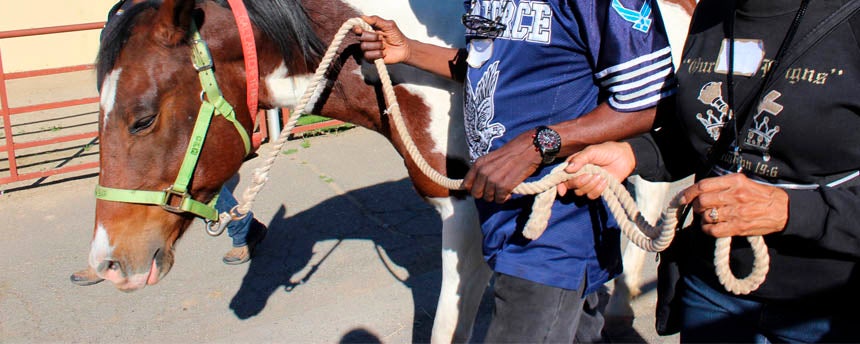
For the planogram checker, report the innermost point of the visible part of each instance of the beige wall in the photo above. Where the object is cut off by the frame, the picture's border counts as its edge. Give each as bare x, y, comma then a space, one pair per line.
48, 51
77, 48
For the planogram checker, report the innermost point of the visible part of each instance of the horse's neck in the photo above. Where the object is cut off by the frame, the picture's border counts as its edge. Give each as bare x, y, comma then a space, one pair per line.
352, 99
431, 106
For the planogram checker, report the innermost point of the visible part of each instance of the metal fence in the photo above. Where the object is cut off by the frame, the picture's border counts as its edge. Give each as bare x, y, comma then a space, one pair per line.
43, 139
38, 140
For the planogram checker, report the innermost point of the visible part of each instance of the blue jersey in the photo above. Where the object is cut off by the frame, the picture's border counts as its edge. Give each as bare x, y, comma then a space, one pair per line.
556, 61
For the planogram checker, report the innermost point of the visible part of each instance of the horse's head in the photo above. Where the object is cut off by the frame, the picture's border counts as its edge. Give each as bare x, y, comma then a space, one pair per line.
151, 101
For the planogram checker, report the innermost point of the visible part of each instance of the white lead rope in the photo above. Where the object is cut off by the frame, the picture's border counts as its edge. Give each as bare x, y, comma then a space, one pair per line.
622, 206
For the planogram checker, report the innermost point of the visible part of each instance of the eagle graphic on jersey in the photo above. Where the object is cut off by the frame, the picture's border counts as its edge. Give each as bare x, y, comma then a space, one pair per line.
479, 112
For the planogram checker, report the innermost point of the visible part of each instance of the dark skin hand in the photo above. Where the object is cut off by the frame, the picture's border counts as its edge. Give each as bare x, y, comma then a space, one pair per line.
494, 176
388, 43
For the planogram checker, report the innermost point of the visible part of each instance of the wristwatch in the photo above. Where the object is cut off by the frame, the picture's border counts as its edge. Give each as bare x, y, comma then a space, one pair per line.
547, 142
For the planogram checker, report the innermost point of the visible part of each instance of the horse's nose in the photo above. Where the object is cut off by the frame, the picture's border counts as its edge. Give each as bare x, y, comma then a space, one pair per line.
110, 270
109, 265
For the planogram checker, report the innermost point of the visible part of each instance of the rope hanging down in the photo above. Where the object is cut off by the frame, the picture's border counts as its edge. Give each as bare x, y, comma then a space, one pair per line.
621, 204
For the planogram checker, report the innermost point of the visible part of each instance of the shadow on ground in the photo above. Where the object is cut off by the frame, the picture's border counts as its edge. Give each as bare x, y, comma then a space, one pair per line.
390, 215
402, 228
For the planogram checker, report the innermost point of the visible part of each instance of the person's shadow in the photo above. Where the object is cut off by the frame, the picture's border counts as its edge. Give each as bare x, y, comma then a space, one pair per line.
390, 215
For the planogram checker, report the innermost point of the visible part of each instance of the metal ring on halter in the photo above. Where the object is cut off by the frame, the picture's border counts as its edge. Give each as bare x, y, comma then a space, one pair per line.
215, 228
235, 215
714, 215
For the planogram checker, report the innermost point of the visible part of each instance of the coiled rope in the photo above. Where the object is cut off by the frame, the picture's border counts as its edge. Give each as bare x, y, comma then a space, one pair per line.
620, 203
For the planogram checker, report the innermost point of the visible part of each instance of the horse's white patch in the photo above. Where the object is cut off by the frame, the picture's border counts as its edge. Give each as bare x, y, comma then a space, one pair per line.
464, 273
108, 93
287, 91
446, 119
100, 248
436, 22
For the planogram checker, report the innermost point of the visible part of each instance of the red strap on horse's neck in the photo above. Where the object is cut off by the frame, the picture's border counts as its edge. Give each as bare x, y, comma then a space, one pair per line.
249, 50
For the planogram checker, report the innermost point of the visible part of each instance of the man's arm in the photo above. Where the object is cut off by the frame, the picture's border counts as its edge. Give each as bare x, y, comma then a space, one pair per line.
600, 125
389, 44
495, 175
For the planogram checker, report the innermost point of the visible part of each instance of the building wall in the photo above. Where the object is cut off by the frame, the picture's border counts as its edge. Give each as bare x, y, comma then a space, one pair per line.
55, 50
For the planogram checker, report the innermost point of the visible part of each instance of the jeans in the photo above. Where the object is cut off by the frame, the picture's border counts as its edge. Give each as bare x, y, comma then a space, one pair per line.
529, 312
236, 229
711, 315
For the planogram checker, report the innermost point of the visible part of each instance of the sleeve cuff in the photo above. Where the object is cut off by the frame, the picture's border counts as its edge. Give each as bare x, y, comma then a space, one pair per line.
648, 161
806, 214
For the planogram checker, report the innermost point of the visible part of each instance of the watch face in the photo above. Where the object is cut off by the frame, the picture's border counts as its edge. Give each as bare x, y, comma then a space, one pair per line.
548, 139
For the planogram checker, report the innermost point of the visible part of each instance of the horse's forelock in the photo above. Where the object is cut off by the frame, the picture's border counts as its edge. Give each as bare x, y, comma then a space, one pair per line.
114, 36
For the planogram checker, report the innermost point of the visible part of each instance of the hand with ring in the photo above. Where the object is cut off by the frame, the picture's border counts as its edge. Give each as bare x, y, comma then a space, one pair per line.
734, 205
714, 215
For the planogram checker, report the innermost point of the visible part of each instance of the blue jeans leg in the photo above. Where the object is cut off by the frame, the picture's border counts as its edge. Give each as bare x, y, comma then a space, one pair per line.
711, 315
236, 229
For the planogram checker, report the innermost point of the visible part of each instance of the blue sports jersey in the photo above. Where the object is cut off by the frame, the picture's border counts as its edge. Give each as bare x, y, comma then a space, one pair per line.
554, 62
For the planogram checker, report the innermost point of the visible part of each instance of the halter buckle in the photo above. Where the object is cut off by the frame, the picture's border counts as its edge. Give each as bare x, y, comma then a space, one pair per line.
169, 195
201, 58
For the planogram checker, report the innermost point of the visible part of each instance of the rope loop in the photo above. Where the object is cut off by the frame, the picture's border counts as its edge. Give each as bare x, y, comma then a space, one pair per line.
652, 238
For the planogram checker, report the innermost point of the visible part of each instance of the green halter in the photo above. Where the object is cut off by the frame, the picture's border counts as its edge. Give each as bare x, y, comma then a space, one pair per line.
176, 198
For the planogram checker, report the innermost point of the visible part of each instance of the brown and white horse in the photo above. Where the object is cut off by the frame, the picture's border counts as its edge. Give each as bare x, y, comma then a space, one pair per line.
150, 97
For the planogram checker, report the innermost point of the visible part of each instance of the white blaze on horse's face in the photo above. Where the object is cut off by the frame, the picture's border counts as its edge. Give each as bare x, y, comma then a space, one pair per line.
100, 248
108, 93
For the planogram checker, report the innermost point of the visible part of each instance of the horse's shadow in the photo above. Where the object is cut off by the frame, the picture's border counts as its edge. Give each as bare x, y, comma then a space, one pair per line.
390, 215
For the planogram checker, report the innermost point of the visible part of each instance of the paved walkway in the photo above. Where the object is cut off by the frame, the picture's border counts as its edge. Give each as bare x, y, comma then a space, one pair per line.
352, 255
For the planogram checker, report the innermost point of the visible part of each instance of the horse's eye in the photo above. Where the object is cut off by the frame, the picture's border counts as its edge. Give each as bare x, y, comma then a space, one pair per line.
141, 124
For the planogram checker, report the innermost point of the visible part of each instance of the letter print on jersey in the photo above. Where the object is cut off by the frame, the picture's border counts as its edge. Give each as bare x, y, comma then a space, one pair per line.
641, 19
480, 111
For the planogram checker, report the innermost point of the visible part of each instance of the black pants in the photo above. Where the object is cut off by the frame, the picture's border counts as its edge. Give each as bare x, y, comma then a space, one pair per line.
529, 312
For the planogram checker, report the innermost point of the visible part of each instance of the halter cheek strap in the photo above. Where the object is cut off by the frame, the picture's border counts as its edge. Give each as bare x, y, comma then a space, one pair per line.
202, 60
176, 197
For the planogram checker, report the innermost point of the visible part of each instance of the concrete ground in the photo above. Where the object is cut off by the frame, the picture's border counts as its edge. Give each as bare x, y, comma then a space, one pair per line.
352, 253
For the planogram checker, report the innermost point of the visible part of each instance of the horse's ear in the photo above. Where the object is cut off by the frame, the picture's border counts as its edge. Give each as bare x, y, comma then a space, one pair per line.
172, 22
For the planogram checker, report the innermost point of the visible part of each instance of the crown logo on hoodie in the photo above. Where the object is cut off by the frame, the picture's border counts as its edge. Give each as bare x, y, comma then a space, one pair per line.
761, 134
712, 94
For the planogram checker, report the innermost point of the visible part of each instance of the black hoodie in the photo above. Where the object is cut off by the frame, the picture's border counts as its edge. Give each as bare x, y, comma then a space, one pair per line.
803, 134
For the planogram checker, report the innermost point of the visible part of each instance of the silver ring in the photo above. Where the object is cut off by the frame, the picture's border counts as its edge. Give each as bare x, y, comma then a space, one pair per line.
714, 215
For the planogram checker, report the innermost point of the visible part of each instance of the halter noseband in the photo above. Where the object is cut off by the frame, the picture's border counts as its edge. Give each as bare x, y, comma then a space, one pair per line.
176, 198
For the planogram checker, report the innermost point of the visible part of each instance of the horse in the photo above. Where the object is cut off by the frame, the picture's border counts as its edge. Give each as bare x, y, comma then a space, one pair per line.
150, 93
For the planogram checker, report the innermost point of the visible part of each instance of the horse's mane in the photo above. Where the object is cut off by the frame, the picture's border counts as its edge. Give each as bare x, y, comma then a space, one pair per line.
285, 21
